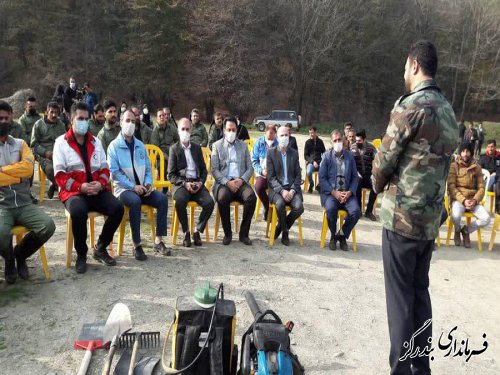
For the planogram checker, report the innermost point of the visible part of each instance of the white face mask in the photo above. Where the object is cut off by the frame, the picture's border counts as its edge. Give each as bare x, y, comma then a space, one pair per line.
270, 142
124, 109
72, 85
283, 141
230, 136
184, 136
337, 147
145, 111
128, 128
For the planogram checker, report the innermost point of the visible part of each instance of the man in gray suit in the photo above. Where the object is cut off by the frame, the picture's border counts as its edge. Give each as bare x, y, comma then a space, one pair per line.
232, 169
283, 173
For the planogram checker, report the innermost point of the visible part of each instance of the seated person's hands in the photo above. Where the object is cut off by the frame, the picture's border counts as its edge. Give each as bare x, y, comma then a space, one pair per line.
149, 190
232, 185
139, 189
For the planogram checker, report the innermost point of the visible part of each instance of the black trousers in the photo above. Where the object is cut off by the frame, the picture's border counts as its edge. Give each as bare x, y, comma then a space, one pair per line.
367, 184
202, 197
406, 276
244, 195
104, 203
286, 221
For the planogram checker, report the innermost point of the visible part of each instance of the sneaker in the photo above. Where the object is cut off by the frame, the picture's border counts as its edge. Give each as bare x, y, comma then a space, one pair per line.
139, 253
161, 248
247, 241
310, 189
284, 239
371, 216
333, 244
10, 271
197, 239
342, 242
52, 190
186, 242
103, 257
81, 264
457, 238
227, 240
466, 237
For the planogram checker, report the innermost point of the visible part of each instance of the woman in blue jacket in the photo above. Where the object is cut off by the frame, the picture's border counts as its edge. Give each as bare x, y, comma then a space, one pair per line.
132, 180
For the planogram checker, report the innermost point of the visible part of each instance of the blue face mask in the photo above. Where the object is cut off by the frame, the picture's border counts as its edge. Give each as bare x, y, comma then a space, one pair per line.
82, 126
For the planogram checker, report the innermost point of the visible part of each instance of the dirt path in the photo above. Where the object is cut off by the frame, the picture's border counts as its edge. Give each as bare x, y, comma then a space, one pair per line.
336, 299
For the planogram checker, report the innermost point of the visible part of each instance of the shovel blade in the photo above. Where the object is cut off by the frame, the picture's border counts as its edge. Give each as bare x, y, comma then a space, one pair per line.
119, 321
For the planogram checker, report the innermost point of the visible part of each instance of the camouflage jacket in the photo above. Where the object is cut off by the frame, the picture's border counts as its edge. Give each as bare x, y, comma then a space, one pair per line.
199, 135
27, 121
44, 135
16, 131
413, 162
107, 135
94, 127
164, 138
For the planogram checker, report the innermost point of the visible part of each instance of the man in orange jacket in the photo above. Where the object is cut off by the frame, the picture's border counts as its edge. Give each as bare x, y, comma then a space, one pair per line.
16, 206
82, 174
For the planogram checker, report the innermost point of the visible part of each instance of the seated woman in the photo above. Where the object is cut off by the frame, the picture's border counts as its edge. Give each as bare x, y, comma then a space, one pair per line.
132, 180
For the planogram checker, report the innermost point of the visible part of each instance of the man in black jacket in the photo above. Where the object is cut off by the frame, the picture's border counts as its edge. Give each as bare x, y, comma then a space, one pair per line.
187, 172
490, 161
283, 174
313, 150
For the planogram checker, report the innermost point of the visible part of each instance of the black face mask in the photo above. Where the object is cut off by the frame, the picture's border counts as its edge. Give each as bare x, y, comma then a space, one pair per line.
32, 111
4, 128
360, 145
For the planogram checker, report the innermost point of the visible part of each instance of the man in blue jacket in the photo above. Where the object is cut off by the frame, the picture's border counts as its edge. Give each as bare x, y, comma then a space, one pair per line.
338, 180
132, 180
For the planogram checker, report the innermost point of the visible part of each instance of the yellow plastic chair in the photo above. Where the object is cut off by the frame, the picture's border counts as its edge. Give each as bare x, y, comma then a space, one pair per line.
376, 143
19, 232
364, 193
469, 216
175, 222
306, 180
155, 155
207, 154
342, 214
250, 143
272, 220
69, 235
494, 231
42, 177
236, 206
492, 196
149, 210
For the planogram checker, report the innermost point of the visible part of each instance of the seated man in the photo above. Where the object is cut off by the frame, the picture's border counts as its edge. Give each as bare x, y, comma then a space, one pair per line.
364, 154
293, 140
16, 207
489, 161
96, 123
232, 169
132, 180
199, 134
28, 119
43, 136
313, 150
284, 183
142, 130
164, 135
111, 127
338, 179
187, 172
82, 174
466, 190
259, 153
216, 131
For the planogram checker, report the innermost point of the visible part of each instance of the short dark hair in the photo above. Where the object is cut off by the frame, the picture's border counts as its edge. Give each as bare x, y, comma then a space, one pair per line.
31, 99
346, 124
217, 114
98, 108
195, 110
490, 141
86, 84
78, 106
108, 104
313, 128
270, 127
466, 146
4, 106
426, 55
361, 133
230, 119
53, 105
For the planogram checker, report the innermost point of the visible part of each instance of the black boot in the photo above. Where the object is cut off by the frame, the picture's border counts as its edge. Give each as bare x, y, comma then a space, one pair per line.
10, 270
28, 246
100, 254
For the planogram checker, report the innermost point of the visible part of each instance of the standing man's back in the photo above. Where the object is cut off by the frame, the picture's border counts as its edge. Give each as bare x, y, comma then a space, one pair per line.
413, 160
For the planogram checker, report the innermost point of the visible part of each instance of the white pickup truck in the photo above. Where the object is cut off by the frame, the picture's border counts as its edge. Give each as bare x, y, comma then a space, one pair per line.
277, 117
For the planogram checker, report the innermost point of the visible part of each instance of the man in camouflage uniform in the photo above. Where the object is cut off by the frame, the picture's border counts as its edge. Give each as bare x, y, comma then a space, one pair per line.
199, 134
412, 165
96, 123
43, 137
164, 135
28, 119
111, 127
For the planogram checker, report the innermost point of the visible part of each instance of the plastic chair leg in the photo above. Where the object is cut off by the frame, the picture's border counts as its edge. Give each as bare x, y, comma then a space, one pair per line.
92, 231
448, 235
217, 223
494, 231
257, 209
479, 240
236, 218
121, 232
324, 229
300, 231
191, 219
274, 219
69, 241
354, 239
45, 265
175, 229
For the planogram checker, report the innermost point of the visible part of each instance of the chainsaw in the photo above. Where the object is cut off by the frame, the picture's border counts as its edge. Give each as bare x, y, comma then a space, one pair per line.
266, 345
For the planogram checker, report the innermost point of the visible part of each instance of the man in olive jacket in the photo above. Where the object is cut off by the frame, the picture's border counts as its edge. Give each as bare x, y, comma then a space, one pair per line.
412, 165
199, 134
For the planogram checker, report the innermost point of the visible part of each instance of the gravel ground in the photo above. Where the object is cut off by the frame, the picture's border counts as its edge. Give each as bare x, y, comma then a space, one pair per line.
336, 299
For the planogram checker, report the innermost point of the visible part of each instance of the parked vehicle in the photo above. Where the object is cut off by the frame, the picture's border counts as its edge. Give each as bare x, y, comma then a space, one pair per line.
277, 117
